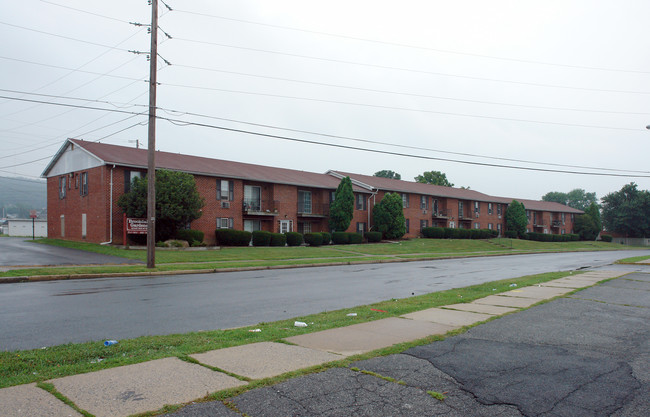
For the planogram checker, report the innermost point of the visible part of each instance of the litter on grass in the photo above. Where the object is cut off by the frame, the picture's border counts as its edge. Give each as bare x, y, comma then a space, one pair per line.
255, 330
378, 310
513, 285
300, 324
110, 342
351, 314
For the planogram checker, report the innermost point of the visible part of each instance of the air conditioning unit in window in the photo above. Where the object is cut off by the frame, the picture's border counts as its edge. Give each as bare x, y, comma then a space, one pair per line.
424, 212
477, 214
225, 204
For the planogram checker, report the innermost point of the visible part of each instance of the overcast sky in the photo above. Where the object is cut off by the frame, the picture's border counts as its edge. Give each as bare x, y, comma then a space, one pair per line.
550, 83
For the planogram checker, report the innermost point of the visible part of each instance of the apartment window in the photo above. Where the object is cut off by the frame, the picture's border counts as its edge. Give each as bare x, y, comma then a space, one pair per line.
499, 228
460, 209
84, 184
477, 225
423, 224
573, 217
253, 197
499, 209
252, 225
225, 223
562, 231
304, 227
304, 202
62, 186
535, 218
405, 200
477, 207
407, 224
424, 202
332, 196
489, 208
129, 177
360, 201
490, 226
563, 219
225, 190
528, 215
361, 228
435, 206
76, 181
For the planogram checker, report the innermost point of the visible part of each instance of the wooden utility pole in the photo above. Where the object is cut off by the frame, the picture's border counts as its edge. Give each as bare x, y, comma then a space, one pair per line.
151, 169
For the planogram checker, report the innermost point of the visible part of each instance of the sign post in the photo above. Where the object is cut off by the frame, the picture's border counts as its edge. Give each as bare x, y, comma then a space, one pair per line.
33, 215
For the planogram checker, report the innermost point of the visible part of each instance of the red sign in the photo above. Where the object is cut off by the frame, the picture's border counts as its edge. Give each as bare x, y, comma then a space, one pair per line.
32, 214
136, 226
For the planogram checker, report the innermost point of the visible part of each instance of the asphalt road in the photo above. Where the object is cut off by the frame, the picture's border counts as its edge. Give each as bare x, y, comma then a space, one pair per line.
585, 355
18, 251
50, 313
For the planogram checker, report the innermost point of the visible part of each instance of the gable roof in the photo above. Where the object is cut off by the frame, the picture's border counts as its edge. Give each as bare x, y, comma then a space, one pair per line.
138, 158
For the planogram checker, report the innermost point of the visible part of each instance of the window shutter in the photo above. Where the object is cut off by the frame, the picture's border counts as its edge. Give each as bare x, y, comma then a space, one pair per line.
218, 189
231, 223
231, 190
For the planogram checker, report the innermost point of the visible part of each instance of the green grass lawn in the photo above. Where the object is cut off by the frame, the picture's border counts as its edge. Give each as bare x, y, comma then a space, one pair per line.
633, 259
26, 366
240, 257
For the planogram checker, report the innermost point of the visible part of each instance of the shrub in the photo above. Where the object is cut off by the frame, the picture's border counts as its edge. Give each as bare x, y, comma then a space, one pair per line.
340, 238
190, 235
463, 233
313, 239
475, 234
278, 239
450, 233
294, 238
492, 234
433, 232
606, 238
573, 237
512, 234
230, 237
261, 238
355, 238
373, 237
327, 238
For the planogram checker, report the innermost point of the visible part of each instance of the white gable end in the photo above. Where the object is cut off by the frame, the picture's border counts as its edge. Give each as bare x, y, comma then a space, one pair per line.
72, 159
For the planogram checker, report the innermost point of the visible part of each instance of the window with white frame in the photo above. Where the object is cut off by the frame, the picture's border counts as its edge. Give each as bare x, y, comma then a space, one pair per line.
286, 226
499, 209
423, 224
83, 190
304, 202
225, 190
490, 226
563, 218
407, 224
405, 200
360, 201
252, 225
528, 215
361, 227
435, 206
477, 225
489, 208
129, 177
477, 207
424, 202
499, 228
225, 223
460, 210
62, 186
304, 227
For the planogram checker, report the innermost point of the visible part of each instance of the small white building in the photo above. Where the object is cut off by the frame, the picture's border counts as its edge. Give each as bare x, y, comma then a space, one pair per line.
23, 227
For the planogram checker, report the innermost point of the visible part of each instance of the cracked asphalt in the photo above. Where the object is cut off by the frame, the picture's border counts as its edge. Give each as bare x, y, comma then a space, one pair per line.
587, 354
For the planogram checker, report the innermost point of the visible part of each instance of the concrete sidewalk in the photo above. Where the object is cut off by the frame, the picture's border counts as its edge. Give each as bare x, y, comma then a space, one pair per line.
149, 386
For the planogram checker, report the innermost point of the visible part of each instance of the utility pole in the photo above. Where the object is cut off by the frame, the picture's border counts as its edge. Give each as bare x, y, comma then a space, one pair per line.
151, 154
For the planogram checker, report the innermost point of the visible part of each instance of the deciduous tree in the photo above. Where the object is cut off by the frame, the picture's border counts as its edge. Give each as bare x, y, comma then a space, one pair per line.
386, 173
627, 211
435, 178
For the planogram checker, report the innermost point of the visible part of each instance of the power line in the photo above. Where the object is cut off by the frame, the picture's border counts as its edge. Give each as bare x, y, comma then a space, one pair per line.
313, 142
334, 136
403, 45
341, 61
408, 94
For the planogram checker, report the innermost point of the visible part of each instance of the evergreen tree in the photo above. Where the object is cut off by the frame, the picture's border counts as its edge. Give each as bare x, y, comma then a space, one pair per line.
342, 208
515, 218
388, 216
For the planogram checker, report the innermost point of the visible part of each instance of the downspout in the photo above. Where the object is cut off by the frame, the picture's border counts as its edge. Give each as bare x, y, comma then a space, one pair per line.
110, 211
368, 205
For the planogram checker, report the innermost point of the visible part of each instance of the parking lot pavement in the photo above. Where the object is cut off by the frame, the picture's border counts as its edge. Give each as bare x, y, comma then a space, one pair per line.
16, 251
586, 354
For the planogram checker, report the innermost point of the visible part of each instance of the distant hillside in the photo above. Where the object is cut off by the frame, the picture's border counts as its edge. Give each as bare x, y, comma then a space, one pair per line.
18, 195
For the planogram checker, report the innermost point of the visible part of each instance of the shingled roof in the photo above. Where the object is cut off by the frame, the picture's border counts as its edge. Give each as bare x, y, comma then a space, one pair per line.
137, 158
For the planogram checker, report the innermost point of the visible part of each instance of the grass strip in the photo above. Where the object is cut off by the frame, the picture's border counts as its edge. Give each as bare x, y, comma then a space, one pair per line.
26, 366
633, 260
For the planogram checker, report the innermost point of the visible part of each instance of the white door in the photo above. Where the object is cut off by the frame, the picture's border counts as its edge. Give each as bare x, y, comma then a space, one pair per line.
286, 226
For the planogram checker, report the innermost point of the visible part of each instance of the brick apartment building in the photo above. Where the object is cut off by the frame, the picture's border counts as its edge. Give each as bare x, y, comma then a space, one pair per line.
85, 180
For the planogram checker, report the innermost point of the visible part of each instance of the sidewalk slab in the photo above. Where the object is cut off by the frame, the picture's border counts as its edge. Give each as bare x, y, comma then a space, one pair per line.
147, 386
366, 337
448, 317
29, 400
481, 308
539, 293
500, 300
264, 360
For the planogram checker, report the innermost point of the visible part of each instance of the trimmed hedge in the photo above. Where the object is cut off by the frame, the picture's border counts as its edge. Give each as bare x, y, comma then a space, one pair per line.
546, 237
327, 238
190, 235
294, 238
278, 239
340, 238
231, 237
313, 239
373, 237
355, 238
606, 238
449, 233
433, 232
511, 234
261, 238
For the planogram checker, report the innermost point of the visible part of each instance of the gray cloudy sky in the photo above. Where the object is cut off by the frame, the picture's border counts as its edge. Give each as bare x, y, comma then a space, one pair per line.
552, 82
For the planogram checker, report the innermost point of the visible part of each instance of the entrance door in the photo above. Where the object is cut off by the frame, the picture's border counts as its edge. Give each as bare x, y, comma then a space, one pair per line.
286, 226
